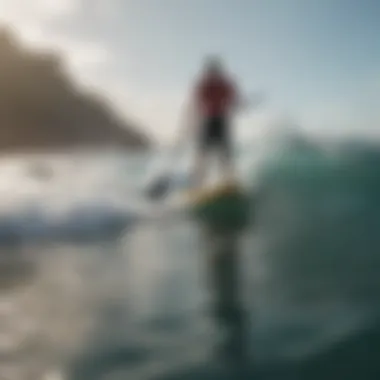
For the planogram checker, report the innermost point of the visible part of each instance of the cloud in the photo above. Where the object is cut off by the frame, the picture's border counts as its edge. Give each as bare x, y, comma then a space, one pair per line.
160, 113
107, 9
20, 11
33, 20
56, 8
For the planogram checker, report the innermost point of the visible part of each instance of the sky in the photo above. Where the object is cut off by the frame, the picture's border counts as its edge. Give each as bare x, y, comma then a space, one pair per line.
317, 61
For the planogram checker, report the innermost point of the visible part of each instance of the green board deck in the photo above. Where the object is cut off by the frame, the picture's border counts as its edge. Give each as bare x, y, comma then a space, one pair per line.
223, 206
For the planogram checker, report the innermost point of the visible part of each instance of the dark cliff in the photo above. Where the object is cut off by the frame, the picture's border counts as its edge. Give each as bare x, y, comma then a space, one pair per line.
41, 106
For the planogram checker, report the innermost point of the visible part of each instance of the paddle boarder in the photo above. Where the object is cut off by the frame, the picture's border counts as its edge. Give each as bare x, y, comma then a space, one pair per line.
214, 98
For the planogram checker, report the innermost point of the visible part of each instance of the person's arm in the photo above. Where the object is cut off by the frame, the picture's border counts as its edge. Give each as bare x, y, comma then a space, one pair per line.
242, 101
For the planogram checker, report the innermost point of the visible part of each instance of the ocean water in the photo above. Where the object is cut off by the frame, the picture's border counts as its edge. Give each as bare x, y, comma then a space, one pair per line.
92, 287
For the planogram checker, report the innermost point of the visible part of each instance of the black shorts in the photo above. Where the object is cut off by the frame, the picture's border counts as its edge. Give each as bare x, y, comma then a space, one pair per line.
215, 134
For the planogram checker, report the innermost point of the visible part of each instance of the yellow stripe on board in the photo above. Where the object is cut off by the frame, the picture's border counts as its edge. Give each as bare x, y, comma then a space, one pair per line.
207, 194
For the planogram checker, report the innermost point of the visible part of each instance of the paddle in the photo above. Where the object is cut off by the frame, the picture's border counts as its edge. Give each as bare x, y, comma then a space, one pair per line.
161, 185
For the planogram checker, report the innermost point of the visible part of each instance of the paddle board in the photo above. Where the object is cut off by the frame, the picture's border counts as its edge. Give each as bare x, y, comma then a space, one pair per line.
224, 205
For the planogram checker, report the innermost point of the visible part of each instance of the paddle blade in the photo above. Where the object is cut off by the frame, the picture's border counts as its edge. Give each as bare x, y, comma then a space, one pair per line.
159, 188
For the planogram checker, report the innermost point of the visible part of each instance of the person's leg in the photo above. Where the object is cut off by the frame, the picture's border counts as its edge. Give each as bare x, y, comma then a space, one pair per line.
225, 152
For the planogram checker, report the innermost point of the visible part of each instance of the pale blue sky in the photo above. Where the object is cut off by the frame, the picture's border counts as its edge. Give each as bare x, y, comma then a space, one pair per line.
318, 60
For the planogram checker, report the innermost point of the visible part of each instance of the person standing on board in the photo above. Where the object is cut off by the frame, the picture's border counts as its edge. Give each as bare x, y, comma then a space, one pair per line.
214, 98
213, 101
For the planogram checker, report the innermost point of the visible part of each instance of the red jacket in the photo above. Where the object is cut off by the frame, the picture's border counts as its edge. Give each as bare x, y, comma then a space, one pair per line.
215, 96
